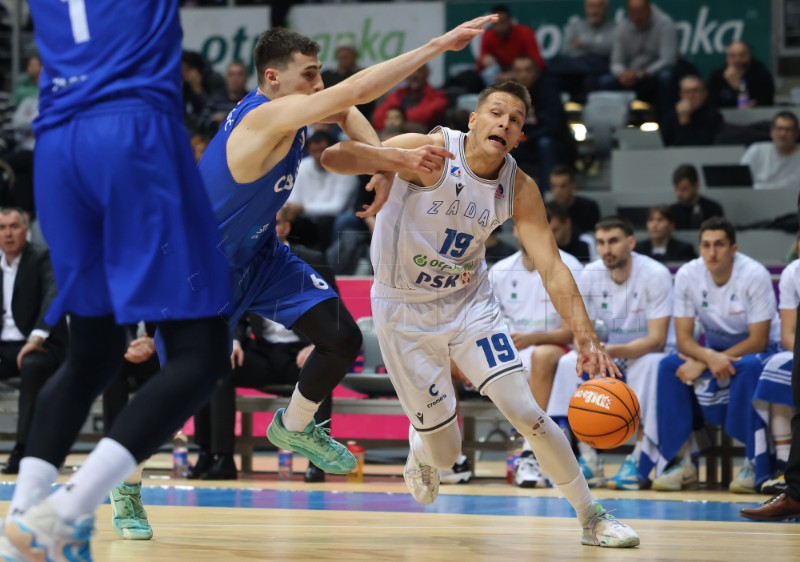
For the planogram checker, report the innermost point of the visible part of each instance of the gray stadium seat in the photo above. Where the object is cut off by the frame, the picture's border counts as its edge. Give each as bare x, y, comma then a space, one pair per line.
604, 113
370, 381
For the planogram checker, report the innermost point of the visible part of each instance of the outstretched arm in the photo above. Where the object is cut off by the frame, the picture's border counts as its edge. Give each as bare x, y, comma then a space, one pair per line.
537, 239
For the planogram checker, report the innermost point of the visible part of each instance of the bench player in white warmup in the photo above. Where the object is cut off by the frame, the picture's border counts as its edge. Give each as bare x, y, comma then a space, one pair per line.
426, 315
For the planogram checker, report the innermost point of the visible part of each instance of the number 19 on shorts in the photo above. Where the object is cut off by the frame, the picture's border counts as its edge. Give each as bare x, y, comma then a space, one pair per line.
497, 349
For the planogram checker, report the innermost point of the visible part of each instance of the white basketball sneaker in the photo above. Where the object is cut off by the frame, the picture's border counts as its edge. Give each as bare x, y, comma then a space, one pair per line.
681, 476
603, 529
8, 552
422, 479
41, 534
528, 473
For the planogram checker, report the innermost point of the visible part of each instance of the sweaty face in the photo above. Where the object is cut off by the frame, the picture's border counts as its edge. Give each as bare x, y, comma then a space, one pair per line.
658, 227
301, 75
716, 250
497, 123
685, 192
614, 247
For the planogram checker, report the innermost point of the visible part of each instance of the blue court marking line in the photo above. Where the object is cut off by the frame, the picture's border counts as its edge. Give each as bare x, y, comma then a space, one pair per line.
673, 510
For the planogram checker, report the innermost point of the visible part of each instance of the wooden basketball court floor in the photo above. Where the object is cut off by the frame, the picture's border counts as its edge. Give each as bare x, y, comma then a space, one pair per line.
266, 519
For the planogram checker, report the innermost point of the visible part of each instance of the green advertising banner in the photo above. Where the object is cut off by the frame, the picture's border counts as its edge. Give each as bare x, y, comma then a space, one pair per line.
705, 27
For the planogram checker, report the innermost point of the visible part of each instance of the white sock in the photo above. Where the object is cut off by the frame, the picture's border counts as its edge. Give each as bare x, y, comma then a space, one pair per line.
461, 458
299, 412
782, 451
588, 452
135, 477
780, 425
108, 464
419, 449
579, 497
35, 479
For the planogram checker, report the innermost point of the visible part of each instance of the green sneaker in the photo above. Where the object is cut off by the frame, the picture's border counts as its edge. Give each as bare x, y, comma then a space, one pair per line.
313, 442
129, 518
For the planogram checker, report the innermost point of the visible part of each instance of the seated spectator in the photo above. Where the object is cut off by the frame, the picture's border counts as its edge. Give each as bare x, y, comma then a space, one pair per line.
318, 196
585, 50
725, 83
395, 119
644, 54
776, 164
568, 238
660, 245
694, 121
20, 158
346, 65
423, 104
201, 85
583, 211
691, 209
547, 138
27, 85
351, 234
219, 106
29, 348
503, 43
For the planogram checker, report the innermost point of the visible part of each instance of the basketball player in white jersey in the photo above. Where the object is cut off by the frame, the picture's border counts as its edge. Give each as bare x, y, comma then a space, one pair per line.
536, 332
632, 295
731, 295
432, 301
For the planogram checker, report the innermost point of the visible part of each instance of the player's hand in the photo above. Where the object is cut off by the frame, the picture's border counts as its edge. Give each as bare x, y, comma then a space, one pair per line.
521, 340
381, 184
426, 159
141, 349
720, 365
461, 36
691, 370
302, 355
29, 347
593, 360
237, 355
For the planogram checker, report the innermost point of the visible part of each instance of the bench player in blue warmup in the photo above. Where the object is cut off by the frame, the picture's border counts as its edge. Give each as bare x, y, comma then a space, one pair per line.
249, 169
132, 237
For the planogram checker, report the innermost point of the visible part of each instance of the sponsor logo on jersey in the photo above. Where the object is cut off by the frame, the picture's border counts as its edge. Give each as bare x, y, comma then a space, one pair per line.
592, 397
432, 390
257, 234
284, 183
459, 187
455, 171
470, 211
432, 404
437, 281
500, 192
302, 139
422, 261
420, 417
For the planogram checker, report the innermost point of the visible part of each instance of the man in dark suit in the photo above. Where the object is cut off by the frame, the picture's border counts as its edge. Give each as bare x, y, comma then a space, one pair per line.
29, 348
584, 212
691, 209
660, 244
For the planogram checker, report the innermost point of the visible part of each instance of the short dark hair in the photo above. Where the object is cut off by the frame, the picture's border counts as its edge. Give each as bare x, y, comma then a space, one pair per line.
685, 172
508, 87
501, 9
277, 46
194, 60
613, 221
556, 211
786, 115
321, 136
664, 211
719, 223
564, 170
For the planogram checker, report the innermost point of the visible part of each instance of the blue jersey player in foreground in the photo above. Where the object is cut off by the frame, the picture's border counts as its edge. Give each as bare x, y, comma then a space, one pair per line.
132, 237
249, 170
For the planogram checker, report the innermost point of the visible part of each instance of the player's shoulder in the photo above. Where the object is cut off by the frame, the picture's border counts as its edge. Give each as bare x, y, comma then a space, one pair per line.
649, 265
790, 272
748, 268
596, 265
691, 269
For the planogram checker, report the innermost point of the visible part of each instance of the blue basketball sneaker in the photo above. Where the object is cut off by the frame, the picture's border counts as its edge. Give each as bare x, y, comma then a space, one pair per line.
593, 471
128, 516
41, 534
628, 476
315, 443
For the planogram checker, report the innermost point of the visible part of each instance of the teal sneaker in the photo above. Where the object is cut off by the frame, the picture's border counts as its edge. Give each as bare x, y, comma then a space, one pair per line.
593, 471
628, 476
315, 443
128, 516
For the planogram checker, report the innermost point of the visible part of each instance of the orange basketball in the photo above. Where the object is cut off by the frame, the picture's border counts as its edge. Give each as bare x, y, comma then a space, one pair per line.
604, 413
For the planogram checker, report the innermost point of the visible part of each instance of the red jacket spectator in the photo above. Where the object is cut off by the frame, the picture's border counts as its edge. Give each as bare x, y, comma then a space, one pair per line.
422, 103
505, 41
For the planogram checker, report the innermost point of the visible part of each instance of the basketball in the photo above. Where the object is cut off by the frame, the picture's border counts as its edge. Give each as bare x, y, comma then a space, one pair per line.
604, 413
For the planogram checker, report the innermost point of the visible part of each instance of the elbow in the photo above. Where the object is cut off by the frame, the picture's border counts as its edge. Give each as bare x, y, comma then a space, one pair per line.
330, 160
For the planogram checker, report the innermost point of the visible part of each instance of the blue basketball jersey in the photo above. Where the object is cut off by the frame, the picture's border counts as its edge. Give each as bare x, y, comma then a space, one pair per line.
106, 51
246, 212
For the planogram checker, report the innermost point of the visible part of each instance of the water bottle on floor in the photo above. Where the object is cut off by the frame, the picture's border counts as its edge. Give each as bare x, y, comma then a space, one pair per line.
180, 456
284, 464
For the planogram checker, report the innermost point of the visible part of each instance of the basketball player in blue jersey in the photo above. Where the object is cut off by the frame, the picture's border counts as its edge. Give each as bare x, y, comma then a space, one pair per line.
132, 237
249, 169
428, 311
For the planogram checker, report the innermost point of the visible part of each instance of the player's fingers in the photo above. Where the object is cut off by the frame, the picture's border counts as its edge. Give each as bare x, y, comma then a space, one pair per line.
482, 20
440, 151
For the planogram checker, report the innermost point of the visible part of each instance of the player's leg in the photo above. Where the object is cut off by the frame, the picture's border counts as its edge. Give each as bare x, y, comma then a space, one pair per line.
773, 402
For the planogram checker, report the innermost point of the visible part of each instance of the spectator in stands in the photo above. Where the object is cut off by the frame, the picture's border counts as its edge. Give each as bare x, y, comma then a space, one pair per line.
742, 75
732, 297
236, 82
547, 138
503, 43
694, 120
423, 104
660, 244
583, 211
568, 238
776, 164
691, 209
346, 65
352, 234
27, 85
29, 348
318, 196
201, 86
20, 158
395, 119
644, 55
585, 50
